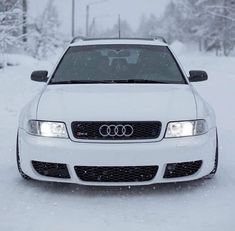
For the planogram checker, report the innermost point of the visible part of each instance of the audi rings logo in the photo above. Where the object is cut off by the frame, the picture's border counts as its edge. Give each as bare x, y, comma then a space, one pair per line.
116, 130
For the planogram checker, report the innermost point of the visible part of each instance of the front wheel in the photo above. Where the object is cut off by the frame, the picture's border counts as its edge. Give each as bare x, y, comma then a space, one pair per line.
26, 177
213, 172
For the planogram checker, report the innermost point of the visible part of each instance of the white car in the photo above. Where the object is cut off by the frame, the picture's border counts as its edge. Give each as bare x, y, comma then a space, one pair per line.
117, 112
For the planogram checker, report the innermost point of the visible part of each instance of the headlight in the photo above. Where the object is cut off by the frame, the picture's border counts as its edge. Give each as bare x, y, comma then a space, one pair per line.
186, 128
47, 129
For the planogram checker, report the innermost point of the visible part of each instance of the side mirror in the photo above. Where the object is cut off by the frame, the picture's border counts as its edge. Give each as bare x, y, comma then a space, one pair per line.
198, 76
39, 76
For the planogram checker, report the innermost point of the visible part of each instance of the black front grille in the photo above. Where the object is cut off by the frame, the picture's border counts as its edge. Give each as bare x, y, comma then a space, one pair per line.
51, 169
182, 169
116, 174
134, 130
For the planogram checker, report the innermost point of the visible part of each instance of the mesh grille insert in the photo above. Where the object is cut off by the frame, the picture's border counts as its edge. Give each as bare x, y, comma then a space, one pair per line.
182, 169
116, 174
116, 130
51, 169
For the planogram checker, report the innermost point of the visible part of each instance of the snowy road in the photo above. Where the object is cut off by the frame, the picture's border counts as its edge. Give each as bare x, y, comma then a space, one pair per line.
201, 205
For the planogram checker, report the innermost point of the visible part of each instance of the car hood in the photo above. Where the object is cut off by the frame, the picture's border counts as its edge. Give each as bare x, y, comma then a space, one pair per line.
117, 102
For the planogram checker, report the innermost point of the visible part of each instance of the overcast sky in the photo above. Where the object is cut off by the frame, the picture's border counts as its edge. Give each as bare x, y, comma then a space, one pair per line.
106, 13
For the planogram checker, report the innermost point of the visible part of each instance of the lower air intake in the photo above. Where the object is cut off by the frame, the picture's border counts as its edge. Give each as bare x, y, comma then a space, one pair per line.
182, 169
51, 169
116, 174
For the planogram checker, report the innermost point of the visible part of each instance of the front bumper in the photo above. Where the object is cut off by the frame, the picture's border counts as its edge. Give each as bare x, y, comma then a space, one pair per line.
65, 151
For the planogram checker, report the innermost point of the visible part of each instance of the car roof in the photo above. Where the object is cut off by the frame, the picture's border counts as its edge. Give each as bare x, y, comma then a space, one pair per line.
117, 41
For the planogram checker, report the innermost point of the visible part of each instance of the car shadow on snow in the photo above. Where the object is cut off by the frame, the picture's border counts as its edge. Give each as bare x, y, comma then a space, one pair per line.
105, 191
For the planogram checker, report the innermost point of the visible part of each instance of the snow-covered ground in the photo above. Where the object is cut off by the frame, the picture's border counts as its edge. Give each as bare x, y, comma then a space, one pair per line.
201, 205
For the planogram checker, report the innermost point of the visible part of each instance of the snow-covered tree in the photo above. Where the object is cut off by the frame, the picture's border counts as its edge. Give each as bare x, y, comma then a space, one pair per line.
148, 26
10, 22
214, 23
222, 27
211, 23
43, 33
126, 30
173, 23
24, 20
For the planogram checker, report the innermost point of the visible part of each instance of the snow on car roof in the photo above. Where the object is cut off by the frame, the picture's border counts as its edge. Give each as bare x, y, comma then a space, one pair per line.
118, 42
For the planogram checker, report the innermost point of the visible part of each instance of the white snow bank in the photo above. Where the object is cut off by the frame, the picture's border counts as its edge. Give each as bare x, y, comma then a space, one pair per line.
11, 60
16, 59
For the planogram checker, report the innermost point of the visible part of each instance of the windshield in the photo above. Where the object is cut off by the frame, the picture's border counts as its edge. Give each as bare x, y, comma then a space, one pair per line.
118, 64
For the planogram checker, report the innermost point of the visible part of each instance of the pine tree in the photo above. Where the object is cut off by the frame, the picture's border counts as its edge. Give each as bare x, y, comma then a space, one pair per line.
24, 20
10, 22
126, 30
211, 23
173, 22
43, 35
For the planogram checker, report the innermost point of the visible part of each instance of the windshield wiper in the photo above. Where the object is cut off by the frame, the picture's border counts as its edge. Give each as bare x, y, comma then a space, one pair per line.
125, 81
140, 81
81, 82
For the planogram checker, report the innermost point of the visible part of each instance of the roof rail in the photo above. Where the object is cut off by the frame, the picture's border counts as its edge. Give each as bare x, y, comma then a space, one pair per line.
77, 38
81, 38
156, 37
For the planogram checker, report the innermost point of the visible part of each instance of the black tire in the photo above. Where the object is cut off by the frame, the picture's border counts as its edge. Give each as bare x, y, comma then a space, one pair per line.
213, 172
26, 177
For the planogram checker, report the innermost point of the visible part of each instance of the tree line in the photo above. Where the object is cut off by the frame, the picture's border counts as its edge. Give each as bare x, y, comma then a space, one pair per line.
208, 23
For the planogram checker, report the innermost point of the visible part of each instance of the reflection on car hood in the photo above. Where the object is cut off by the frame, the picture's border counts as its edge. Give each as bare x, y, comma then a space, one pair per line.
117, 102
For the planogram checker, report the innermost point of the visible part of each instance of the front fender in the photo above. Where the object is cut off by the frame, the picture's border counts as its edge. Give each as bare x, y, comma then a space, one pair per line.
29, 112
205, 111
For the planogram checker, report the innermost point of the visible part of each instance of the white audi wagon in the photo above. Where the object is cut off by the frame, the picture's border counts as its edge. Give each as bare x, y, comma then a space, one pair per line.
117, 112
